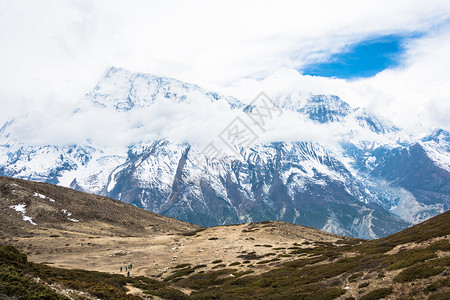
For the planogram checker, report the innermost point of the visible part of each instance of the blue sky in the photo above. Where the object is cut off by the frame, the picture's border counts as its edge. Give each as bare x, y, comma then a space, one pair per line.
364, 59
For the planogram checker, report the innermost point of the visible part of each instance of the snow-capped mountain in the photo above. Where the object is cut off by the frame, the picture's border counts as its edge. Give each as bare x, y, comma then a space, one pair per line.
324, 109
122, 90
363, 188
298, 182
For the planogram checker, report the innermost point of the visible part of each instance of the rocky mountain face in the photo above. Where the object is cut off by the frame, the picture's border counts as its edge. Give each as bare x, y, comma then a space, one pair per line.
293, 182
362, 188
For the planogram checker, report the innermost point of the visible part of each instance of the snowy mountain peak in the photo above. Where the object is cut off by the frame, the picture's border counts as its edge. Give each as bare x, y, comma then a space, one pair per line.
4, 134
123, 90
326, 108
438, 135
437, 147
373, 122
331, 108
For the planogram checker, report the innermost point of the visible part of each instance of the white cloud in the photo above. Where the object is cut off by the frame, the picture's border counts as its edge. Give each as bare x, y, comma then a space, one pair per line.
53, 52
415, 96
197, 121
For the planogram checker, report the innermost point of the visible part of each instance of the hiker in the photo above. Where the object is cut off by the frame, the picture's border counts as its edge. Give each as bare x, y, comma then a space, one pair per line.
126, 268
128, 274
120, 268
131, 266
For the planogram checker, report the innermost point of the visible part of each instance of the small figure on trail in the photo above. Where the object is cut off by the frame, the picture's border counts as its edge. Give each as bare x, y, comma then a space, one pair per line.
120, 268
128, 274
126, 268
131, 266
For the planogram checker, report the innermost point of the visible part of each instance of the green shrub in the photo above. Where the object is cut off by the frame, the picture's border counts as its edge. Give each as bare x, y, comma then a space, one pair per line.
240, 274
207, 279
377, 294
354, 277
250, 256
442, 245
168, 293
14, 283
180, 273
327, 294
408, 258
192, 233
364, 284
219, 266
440, 296
199, 267
438, 284
11, 256
16, 274
181, 266
267, 261
417, 272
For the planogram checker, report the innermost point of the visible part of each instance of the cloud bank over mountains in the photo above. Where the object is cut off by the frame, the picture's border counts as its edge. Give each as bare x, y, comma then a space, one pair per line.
127, 108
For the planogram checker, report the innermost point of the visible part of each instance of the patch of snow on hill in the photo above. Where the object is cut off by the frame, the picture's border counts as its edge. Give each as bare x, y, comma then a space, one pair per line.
21, 208
43, 197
